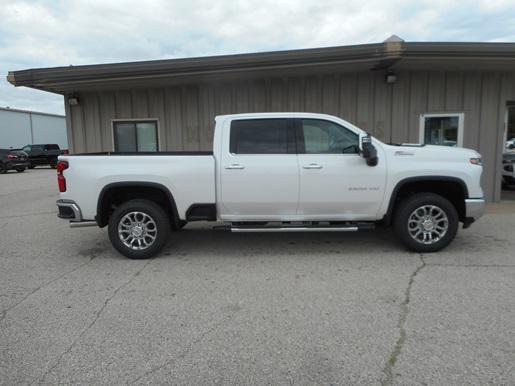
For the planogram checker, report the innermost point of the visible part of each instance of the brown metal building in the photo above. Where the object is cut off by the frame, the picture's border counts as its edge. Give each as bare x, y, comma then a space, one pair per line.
445, 93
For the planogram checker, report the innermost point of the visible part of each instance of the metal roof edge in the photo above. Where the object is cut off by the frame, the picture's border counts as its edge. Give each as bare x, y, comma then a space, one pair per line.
30, 77
31, 112
390, 51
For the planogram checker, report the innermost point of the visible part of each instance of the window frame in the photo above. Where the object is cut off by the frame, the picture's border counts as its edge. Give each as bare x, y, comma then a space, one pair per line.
135, 121
301, 146
291, 144
422, 125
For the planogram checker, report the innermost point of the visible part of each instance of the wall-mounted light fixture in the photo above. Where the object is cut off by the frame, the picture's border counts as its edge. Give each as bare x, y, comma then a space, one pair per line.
73, 101
391, 78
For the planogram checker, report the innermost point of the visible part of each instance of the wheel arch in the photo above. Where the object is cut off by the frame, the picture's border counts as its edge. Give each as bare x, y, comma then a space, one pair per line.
130, 190
457, 193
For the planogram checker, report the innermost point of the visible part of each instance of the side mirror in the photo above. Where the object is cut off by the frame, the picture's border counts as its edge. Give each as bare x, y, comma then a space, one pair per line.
368, 151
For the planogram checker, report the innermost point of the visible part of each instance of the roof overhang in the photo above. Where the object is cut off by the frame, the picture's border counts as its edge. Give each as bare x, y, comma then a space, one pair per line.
389, 55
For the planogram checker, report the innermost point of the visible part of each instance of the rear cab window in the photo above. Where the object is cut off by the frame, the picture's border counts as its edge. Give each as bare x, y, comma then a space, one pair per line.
51, 147
262, 136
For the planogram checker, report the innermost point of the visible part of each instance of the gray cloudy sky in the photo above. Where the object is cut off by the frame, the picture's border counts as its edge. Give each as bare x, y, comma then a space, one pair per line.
49, 33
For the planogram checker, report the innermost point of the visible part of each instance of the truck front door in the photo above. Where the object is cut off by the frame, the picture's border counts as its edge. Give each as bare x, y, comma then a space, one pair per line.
335, 181
259, 177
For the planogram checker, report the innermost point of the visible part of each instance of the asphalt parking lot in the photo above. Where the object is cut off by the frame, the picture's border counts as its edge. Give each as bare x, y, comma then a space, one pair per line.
220, 308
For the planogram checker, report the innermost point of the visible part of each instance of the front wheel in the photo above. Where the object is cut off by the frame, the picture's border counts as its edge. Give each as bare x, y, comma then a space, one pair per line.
426, 222
20, 170
139, 229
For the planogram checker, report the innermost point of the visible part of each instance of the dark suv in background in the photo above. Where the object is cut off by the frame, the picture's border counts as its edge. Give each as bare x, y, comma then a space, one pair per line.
43, 154
13, 160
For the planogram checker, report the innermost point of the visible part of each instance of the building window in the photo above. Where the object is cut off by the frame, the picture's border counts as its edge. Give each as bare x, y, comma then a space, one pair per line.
442, 129
135, 136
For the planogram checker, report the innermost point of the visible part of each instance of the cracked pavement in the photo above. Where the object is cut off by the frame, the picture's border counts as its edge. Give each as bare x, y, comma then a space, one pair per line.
249, 308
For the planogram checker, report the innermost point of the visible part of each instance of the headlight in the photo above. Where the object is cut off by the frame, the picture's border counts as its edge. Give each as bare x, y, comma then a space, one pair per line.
476, 161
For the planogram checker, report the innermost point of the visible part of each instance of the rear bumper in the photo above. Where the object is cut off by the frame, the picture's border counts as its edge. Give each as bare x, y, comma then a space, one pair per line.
474, 208
69, 210
14, 165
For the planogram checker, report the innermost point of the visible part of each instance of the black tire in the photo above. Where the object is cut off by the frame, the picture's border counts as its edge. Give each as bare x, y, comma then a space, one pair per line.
150, 209
20, 170
53, 163
3, 169
405, 210
31, 166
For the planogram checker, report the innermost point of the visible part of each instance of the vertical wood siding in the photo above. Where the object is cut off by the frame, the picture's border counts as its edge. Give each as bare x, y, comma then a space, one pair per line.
391, 112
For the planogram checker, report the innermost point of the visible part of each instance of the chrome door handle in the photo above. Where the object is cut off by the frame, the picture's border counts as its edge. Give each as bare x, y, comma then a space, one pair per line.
312, 166
235, 166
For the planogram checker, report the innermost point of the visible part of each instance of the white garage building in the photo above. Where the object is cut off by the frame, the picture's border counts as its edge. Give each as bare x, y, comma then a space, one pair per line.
20, 127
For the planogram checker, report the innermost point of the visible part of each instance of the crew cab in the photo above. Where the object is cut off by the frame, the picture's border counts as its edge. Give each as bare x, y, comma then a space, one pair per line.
275, 172
43, 154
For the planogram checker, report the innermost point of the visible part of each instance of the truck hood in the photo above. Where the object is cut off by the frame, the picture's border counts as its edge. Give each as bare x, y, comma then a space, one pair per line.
433, 151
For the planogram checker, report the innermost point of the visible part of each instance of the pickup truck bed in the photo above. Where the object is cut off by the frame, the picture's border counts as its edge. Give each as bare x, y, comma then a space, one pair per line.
189, 175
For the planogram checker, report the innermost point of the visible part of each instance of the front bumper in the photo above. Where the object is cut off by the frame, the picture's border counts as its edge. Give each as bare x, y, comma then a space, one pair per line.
474, 208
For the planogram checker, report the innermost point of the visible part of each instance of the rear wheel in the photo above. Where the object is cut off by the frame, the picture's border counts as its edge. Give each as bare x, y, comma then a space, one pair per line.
426, 222
53, 163
32, 166
139, 229
20, 170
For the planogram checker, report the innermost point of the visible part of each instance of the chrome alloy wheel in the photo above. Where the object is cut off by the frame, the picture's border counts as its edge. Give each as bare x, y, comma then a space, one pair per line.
137, 230
428, 224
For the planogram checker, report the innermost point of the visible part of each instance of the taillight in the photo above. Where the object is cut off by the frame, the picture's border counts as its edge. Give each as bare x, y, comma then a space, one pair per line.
66, 151
11, 156
61, 181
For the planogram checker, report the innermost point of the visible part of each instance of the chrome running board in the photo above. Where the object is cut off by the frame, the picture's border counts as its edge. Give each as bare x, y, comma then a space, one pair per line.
81, 224
293, 229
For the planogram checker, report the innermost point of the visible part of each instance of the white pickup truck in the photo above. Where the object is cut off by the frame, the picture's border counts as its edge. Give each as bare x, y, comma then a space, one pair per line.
275, 172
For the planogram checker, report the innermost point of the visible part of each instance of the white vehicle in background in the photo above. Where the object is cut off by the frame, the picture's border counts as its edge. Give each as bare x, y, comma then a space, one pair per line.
508, 173
276, 172
510, 144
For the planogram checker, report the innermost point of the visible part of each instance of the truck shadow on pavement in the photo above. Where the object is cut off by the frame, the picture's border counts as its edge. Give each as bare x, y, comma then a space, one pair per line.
204, 241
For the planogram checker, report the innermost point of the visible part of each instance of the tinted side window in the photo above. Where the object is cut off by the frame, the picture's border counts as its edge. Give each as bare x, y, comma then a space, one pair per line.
325, 137
37, 147
52, 147
261, 136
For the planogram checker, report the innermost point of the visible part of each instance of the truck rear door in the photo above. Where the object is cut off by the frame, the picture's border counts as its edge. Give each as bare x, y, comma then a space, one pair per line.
259, 170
